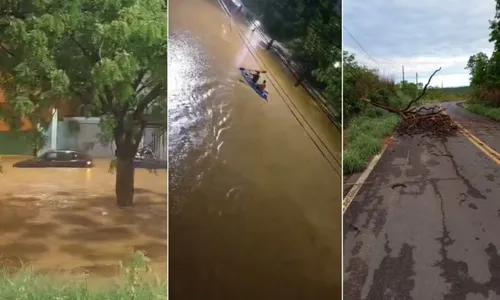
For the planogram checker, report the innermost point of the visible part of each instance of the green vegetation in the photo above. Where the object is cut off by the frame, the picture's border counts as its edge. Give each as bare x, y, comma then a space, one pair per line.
435, 94
485, 75
27, 285
311, 32
108, 57
366, 126
365, 136
483, 110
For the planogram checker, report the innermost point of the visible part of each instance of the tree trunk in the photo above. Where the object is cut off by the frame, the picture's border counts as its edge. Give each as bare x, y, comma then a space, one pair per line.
269, 45
124, 187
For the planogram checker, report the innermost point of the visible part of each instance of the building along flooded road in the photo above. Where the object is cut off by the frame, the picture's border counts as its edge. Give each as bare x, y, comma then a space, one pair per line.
254, 190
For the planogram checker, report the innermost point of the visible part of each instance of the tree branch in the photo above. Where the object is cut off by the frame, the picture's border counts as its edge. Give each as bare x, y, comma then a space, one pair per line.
389, 109
94, 57
144, 102
139, 79
423, 91
7, 50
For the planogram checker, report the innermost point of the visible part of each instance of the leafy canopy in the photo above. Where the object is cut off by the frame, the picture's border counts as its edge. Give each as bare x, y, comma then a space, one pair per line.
108, 56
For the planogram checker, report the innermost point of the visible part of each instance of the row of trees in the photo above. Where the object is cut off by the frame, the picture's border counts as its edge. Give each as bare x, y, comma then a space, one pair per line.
360, 81
485, 71
311, 31
107, 56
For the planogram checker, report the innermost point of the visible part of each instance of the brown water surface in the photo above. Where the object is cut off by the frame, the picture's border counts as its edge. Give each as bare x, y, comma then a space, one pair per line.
255, 200
66, 220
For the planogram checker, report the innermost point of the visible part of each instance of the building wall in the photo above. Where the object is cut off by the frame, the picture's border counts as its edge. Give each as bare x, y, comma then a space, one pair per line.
87, 138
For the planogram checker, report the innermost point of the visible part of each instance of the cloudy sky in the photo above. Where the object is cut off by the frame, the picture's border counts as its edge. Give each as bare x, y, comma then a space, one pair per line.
421, 35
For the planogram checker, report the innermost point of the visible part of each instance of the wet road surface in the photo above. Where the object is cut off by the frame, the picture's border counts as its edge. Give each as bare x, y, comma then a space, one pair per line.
426, 224
66, 220
254, 203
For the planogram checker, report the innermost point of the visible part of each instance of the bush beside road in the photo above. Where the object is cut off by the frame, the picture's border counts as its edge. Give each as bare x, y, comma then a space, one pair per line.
365, 138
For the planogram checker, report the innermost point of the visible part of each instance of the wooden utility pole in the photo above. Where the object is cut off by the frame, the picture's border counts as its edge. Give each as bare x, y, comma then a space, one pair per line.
403, 69
416, 83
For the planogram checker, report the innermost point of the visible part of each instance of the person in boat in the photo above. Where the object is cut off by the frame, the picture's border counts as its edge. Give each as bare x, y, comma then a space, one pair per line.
262, 86
255, 76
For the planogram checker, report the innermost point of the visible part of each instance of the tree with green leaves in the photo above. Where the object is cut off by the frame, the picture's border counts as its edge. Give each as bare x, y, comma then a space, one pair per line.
485, 71
311, 32
108, 56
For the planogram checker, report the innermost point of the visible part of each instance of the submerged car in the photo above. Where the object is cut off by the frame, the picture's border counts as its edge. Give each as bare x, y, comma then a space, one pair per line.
146, 159
58, 159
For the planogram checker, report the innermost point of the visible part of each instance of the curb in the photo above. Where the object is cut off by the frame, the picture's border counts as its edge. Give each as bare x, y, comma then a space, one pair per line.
361, 180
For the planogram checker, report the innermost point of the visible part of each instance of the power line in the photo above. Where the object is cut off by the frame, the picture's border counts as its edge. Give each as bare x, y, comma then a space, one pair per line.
360, 46
258, 59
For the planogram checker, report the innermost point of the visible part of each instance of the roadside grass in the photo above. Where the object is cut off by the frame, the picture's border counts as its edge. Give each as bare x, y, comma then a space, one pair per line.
28, 285
483, 110
365, 138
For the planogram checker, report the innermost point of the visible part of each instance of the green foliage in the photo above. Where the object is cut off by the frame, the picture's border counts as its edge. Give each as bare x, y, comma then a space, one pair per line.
478, 68
485, 71
410, 88
483, 110
360, 81
365, 138
27, 285
438, 95
311, 32
108, 56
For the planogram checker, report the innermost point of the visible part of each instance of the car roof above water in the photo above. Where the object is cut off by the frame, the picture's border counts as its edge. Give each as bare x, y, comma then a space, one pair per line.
63, 151
66, 151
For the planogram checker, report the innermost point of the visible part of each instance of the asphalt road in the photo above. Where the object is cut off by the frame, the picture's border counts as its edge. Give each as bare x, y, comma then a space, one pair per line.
426, 226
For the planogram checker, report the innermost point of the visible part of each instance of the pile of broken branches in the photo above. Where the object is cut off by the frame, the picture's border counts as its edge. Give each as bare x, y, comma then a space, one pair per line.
428, 120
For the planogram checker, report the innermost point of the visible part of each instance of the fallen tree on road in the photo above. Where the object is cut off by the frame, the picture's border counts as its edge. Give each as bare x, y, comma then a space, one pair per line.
427, 120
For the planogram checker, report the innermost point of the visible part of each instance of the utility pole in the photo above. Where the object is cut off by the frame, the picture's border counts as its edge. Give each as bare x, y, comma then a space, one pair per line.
403, 69
416, 84
442, 85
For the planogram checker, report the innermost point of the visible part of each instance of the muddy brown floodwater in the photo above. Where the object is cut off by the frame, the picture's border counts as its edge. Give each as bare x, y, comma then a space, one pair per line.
66, 220
255, 204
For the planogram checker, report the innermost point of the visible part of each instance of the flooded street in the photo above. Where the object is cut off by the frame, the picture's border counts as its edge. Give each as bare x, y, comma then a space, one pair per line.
66, 220
255, 208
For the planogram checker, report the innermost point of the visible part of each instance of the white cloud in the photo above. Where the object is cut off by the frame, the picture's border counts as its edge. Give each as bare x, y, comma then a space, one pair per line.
422, 36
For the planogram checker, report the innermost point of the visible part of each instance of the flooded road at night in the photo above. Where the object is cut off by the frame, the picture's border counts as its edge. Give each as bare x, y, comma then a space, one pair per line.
254, 200
66, 220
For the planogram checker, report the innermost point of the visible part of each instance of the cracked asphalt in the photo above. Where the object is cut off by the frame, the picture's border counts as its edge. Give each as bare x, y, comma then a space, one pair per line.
427, 224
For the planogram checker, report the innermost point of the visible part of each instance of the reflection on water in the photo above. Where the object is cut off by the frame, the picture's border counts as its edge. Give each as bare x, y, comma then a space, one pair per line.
196, 120
254, 206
